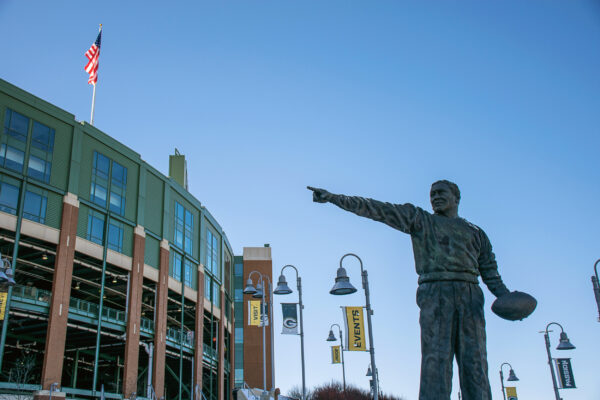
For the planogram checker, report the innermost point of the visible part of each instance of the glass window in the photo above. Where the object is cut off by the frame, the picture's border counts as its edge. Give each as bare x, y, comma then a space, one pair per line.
239, 335
115, 236
239, 295
212, 254
99, 190
34, 207
11, 157
42, 146
176, 269
9, 196
207, 287
183, 234
95, 230
118, 185
216, 294
16, 125
189, 274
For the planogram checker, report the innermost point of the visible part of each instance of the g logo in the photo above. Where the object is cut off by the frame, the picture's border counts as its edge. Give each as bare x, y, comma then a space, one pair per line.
290, 323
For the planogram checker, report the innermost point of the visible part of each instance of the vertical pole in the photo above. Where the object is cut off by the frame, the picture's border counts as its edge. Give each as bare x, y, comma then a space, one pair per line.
343, 366
596, 287
502, 383
262, 320
99, 326
272, 339
93, 105
13, 263
74, 376
371, 345
554, 385
301, 337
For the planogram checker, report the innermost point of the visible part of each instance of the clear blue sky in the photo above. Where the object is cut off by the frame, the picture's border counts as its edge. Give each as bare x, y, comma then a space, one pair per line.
369, 98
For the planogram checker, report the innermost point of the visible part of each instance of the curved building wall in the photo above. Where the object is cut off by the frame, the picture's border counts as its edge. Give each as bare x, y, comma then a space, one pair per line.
123, 278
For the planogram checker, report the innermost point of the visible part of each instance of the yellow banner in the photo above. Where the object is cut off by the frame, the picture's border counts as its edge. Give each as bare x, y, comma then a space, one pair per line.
3, 296
335, 355
254, 312
355, 329
511, 392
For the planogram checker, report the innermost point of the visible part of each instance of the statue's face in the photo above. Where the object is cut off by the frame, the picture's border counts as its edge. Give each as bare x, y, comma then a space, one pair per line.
443, 200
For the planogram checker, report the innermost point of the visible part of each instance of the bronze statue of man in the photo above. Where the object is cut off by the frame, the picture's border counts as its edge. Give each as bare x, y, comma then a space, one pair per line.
450, 254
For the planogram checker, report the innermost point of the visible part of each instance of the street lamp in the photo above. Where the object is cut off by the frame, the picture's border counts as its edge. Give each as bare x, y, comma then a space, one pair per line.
283, 288
259, 292
511, 377
343, 286
596, 286
564, 344
373, 382
6, 274
332, 338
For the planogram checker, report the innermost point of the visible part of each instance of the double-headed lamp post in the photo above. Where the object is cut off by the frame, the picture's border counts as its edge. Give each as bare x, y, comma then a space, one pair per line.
564, 344
259, 292
343, 286
596, 286
511, 377
370, 374
283, 288
332, 338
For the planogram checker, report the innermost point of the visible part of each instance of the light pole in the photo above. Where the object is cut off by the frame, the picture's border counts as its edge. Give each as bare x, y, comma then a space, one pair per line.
373, 382
596, 286
332, 338
343, 286
283, 288
511, 377
259, 292
564, 344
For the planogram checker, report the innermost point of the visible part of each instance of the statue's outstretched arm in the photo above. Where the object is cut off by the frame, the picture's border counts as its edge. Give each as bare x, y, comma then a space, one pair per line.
399, 216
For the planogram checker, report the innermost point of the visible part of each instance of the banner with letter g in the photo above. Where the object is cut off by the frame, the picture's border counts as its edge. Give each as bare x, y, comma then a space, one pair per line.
290, 318
335, 355
355, 329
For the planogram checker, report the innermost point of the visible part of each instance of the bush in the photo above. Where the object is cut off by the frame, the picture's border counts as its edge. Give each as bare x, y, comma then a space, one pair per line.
334, 391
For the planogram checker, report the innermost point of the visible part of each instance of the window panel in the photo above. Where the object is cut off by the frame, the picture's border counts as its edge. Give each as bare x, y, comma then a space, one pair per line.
207, 287
176, 271
34, 207
189, 274
115, 236
11, 157
16, 125
95, 231
9, 197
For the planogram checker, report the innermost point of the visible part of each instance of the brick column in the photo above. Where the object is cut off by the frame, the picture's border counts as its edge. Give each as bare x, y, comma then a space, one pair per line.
199, 334
160, 321
132, 339
221, 350
61, 292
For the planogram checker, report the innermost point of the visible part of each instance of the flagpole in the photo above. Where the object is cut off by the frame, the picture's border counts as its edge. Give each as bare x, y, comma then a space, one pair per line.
94, 93
93, 105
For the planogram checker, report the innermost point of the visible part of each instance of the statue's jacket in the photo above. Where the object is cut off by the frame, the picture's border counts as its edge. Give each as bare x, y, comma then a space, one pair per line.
445, 249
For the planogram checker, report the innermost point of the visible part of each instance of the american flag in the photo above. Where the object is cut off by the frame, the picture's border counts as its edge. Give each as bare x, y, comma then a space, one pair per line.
92, 55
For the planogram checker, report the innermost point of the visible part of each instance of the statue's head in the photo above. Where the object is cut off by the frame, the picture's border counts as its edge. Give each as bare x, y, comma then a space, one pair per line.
445, 196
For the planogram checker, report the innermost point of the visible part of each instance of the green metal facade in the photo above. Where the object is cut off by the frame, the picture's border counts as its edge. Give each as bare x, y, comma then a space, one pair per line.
150, 201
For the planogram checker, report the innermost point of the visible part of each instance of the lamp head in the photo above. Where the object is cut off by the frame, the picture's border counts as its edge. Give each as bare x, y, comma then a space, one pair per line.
249, 289
259, 291
282, 286
331, 337
369, 372
342, 283
511, 376
564, 343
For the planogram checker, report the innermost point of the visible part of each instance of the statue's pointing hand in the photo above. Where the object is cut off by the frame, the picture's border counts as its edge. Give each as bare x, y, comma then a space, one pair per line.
319, 195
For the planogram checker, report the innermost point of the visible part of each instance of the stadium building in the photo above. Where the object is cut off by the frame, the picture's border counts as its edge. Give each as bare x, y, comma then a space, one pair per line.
124, 281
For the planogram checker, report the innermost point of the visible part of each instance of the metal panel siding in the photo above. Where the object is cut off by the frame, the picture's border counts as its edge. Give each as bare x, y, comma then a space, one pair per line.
54, 210
127, 240
153, 210
151, 251
61, 158
82, 221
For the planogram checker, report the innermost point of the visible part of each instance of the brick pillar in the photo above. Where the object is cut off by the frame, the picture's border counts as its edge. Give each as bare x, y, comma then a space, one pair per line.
160, 324
221, 350
199, 334
232, 349
61, 293
132, 339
